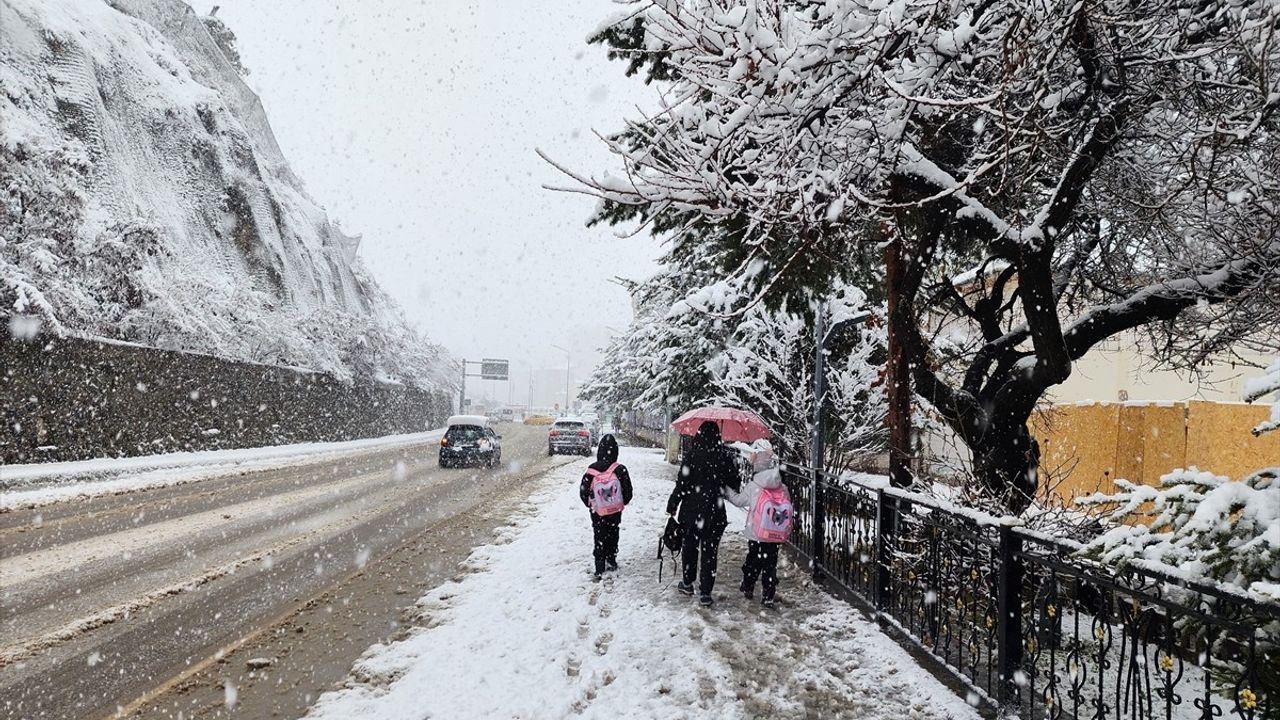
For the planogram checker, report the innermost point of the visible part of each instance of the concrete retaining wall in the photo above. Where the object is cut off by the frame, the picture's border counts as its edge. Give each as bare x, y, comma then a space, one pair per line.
74, 399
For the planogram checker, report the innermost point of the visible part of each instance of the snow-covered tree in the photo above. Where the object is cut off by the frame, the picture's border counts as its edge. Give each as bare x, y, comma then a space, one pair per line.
225, 39
767, 366
1201, 525
41, 205
1119, 160
677, 355
1258, 388
661, 360
1205, 527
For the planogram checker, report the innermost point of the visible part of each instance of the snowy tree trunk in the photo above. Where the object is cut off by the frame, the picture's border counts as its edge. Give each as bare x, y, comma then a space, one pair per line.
1006, 464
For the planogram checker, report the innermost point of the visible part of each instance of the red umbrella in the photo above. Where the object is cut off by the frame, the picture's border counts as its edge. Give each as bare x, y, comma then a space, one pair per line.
735, 425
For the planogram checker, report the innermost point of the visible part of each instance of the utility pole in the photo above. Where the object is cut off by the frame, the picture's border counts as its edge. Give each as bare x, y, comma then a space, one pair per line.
567, 364
462, 399
898, 392
898, 373
823, 331
818, 446
817, 509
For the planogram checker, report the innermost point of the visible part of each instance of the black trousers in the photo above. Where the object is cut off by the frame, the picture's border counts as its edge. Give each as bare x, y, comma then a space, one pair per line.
604, 534
698, 556
762, 563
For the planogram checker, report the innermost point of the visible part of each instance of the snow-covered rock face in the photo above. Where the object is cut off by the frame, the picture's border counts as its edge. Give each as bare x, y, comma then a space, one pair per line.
143, 197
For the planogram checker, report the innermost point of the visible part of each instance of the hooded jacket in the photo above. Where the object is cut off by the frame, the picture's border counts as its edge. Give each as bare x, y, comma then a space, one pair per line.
696, 500
767, 478
606, 455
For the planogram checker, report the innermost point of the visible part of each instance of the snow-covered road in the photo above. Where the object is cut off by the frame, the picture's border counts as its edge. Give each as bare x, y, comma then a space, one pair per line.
528, 635
109, 595
28, 486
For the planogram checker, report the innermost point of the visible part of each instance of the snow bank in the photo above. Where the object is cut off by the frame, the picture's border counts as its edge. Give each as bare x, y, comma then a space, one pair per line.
529, 635
46, 483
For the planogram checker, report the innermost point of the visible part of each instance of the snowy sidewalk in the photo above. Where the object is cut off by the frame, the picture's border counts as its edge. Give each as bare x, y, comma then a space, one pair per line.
527, 634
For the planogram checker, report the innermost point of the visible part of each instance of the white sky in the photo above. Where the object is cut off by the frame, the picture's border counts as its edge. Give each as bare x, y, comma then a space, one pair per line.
414, 123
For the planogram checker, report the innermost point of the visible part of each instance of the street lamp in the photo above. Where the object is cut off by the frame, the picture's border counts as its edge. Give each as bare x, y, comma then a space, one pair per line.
822, 335
825, 335
567, 364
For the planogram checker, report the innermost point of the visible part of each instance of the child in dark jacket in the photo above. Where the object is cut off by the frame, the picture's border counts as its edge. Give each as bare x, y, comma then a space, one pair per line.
601, 499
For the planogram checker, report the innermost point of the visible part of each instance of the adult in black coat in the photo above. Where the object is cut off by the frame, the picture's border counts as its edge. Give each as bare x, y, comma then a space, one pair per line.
604, 529
697, 504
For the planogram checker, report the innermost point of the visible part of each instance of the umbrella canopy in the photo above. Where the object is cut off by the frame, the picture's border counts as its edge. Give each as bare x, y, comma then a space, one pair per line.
735, 425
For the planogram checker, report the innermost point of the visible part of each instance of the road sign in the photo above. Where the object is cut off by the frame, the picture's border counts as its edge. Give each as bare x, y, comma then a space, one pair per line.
494, 369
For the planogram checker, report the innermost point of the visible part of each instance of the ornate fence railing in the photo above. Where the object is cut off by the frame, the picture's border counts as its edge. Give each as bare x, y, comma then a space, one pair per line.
1030, 625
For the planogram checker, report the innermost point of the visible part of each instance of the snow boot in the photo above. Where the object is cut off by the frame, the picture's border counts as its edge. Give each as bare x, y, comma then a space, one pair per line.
748, 591
767, 602
611, 564
706, 601
684, 588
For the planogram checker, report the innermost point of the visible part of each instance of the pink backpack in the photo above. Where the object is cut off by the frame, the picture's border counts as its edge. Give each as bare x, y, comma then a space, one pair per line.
606, 491
772, 515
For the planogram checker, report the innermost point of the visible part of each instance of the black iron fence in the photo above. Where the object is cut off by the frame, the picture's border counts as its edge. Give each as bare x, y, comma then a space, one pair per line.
1028, 624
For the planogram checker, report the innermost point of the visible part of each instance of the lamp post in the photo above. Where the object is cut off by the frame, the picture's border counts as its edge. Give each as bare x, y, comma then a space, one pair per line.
822, 335
825, 334
567, 364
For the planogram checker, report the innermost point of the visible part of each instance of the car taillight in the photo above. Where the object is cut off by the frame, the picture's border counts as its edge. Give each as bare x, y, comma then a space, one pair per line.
583, 433
554, 433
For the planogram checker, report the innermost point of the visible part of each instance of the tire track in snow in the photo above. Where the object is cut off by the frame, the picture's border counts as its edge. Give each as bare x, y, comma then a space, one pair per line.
316, 531
32, 566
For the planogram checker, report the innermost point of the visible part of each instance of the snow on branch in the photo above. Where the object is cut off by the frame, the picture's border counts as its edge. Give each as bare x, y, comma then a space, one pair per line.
1259, 387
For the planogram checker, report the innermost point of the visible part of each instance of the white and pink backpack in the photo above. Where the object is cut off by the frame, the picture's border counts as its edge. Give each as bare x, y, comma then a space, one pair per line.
772, 515
606, 491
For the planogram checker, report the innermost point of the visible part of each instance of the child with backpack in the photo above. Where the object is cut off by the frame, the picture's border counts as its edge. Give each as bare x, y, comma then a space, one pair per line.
605, 490
769, 519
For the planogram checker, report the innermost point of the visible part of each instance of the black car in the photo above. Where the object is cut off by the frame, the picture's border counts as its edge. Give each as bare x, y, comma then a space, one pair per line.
470, 441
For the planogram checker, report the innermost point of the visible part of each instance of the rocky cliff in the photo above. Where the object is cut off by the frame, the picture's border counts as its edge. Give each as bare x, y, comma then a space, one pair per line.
143, 198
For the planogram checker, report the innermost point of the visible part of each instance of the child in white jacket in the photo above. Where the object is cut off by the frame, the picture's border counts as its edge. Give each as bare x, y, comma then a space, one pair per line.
762, 556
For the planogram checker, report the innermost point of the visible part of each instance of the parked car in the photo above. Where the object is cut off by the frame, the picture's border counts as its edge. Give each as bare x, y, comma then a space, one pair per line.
469, 440
538, 420
569, 435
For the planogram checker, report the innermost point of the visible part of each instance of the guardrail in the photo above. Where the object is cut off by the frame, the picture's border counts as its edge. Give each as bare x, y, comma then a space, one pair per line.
1028, 624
